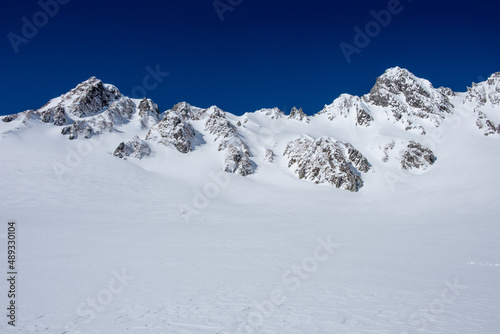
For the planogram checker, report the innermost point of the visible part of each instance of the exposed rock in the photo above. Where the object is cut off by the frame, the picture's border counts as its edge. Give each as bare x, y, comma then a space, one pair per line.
89, 98
136, 148
407, 97
56, 116
347, 106
417, 156
446, 91
173, 131
149, 113
78, 128
9, 118
273, 113
269, 156
218, 125
237, 158
325, 160
119, 112
298, 115
485, 124
237, 155
187, 111
484, 99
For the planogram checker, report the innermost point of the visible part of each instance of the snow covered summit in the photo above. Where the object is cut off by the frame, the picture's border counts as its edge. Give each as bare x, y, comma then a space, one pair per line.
391, 128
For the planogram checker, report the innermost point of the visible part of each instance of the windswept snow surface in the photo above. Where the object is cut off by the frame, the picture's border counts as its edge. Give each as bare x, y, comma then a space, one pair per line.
172, 244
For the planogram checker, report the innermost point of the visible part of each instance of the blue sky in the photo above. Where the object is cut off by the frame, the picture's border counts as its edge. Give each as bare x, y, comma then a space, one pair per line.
262, 54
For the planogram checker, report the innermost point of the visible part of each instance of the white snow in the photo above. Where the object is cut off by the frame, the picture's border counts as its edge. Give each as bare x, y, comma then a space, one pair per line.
199, 248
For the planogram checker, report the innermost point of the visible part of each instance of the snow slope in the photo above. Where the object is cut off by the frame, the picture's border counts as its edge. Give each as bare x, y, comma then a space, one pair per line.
171, 243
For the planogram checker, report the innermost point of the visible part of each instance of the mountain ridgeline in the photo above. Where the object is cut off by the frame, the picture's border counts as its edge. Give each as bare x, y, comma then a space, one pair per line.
394, 126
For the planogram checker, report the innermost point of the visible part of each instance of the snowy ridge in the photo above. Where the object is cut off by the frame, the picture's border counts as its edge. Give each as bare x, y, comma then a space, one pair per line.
123, 234
393, 123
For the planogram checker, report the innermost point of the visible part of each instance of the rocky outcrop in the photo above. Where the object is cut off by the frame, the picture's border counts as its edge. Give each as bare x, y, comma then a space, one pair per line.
237, 154
272, 113
173, 131
407, 98
56, 116
298, 115
22, 116
187, 111
417, 156
325, 160
118, 113
484, 99
136, 148
148, 113
269, 158
89, 98
408, 154
219, 126
348, 106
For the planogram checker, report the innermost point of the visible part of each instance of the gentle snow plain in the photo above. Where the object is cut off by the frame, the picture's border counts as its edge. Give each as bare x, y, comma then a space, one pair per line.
129, 246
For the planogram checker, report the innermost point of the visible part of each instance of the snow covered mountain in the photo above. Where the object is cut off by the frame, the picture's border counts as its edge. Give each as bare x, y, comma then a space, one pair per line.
132, 219
394, 124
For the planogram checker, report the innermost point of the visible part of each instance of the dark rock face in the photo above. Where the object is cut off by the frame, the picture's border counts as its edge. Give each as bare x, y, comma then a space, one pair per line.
298, 115
269, 158
237, 155
363, 118
484, 98
149, 113
119, 112
136, 148
187, 111
78, 128
237, 159
272, 113
90, 98
325, 160
407, 96
9, 118
218, 125
417, 156
346, 105
173, 131
56, 116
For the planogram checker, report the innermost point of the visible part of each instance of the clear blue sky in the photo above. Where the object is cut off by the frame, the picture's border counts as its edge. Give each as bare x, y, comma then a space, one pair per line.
264, 53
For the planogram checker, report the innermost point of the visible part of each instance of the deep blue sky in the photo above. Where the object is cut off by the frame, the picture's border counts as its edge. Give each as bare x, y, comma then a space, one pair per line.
264, 53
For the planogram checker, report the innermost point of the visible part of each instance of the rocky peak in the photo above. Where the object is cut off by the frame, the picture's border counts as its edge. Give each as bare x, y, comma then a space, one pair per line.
273, 113
149, 113
485, 92
188, 111
218, 124
407, 97
298, 115
89, 98
345, 106
237, 154
326, 160
147, 105
484, 99
173, 131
